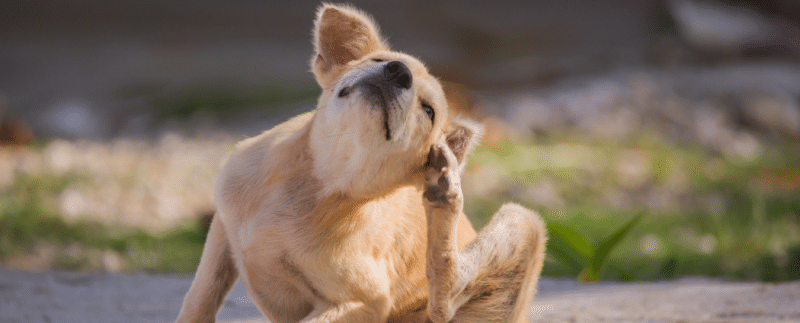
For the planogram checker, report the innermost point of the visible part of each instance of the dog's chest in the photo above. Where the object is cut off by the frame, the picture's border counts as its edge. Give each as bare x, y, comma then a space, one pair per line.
346, 258
362, 254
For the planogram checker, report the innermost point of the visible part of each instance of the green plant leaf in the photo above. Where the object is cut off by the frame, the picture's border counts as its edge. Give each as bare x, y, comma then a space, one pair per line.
574, 240
612, 241
562, 252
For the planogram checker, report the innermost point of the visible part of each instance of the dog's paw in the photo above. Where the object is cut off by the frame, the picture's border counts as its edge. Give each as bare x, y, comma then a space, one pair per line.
442, 178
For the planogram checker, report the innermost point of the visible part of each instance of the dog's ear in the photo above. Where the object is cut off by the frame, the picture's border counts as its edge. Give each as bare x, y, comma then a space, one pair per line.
342, 34
462, 135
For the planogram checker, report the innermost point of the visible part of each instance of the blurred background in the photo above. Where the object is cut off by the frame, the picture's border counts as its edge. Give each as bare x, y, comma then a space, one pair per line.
660, 139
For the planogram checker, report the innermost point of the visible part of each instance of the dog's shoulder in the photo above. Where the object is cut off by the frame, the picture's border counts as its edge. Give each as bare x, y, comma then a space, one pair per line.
260, 162
283, 136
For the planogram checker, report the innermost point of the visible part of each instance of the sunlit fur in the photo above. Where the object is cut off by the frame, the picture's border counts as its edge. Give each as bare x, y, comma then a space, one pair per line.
322, 216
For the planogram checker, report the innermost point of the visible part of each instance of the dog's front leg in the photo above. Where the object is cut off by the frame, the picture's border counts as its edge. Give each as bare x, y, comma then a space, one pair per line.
493, 279
215, 277
444, 202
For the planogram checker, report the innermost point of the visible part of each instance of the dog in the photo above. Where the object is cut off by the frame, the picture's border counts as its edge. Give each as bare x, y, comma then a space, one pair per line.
353, 212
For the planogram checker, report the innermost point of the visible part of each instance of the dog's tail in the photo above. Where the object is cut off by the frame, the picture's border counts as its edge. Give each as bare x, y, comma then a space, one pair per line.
214, 278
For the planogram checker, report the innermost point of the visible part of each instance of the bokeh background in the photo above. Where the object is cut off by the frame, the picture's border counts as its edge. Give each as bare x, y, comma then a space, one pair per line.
679, 118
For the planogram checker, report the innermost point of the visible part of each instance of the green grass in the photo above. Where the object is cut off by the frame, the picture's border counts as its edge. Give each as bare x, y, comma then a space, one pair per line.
686, 245
741, 223
28, 220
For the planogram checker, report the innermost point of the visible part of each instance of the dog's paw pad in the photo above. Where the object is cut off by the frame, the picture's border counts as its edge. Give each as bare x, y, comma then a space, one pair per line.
443, 186
437, 158
439, 196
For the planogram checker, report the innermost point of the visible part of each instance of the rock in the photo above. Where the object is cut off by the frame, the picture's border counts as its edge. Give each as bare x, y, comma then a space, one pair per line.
75, 118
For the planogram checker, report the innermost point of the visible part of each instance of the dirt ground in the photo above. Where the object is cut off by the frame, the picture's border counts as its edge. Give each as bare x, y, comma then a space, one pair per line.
98, 297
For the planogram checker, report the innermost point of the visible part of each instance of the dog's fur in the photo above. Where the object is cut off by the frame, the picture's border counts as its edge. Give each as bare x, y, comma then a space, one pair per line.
353, 212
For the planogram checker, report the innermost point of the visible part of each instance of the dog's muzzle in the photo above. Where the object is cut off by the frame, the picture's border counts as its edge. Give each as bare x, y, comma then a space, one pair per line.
383, 86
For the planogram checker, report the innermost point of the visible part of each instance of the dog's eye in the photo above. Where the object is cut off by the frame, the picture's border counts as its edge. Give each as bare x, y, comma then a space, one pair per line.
429, 110
378, 60
344, 92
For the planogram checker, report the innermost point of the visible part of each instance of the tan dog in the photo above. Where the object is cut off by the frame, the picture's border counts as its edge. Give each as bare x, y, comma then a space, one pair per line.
353, 212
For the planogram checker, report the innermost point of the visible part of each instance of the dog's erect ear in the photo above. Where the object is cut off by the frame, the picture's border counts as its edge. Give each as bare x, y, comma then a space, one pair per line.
462, 135
342, 34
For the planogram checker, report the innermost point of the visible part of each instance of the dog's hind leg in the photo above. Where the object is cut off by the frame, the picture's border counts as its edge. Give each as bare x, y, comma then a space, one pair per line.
494, 278
503, 265
214, 278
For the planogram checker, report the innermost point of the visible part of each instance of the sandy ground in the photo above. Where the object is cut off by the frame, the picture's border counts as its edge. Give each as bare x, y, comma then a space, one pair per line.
97, 297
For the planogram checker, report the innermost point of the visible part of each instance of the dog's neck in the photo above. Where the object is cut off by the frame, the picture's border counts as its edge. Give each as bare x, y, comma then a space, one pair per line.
337, 216
347, 168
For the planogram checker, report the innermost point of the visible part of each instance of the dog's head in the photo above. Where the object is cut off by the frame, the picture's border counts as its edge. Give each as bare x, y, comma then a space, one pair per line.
380, 110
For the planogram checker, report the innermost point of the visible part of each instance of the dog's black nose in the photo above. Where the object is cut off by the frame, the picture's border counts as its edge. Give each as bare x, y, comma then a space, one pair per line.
398, 74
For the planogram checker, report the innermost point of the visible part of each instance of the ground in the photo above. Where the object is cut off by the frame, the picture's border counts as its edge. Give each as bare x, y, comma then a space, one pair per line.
57, 296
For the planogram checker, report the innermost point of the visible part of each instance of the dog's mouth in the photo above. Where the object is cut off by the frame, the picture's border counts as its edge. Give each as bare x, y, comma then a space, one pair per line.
382, 98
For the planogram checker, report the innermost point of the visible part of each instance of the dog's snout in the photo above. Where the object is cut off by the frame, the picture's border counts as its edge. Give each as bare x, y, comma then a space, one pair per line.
398, 74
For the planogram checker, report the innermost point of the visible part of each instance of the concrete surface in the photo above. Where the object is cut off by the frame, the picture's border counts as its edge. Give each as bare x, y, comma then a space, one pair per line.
59, 296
